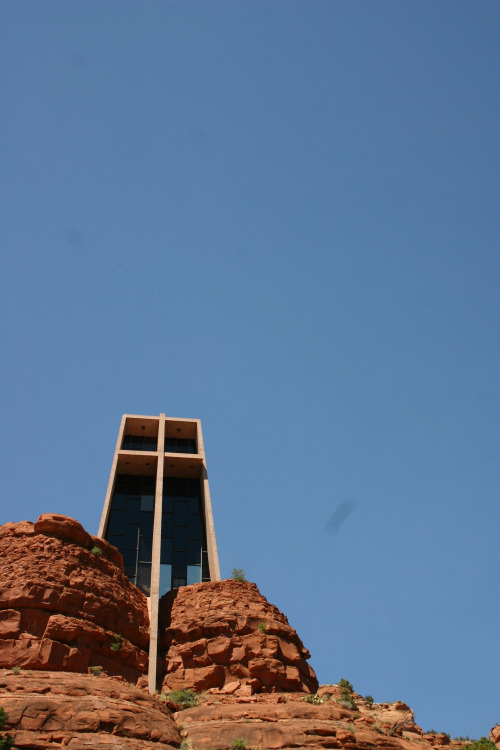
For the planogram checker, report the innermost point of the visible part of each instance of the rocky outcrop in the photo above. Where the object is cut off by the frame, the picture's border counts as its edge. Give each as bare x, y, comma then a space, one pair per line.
225, 634
65, 609
52, 710
285, 721
62, 607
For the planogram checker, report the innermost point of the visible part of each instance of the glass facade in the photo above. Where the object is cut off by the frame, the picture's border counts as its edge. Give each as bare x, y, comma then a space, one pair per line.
183, 540
180, 445
130, 526
183, 557
139, 443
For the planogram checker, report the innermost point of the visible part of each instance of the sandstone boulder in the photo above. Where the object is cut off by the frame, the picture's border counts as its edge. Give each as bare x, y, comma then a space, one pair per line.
63, 608
215, 633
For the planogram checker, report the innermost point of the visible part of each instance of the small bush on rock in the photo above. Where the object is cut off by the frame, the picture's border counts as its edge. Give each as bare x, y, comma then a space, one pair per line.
369, 698
312, 698
345, 685
262, 627
96, 551
185, 698
238, 744
95, 671
348, 702
346, 699
5, 742
238, 574
117, 643
16, 670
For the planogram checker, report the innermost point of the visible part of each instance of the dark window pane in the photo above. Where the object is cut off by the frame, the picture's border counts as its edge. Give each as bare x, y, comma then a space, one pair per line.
180, 559
133, 506
166, 552
146, 522
194, 505
119, 500
130, 540
169, 486
177, 582
145, 548
180, 544
121, 483
180, 513
194, 552
129, 561
138, 443
194, 527
116, 523
204, 565
167, 524
147, 502
181, 487
116, 541
133, 485
180, 445
168, 504
144, 578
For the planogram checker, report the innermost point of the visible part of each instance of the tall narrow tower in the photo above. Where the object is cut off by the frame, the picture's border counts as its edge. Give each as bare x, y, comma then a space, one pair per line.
158, 512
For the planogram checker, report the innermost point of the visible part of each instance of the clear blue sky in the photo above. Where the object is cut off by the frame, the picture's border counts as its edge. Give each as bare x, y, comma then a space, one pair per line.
281, 218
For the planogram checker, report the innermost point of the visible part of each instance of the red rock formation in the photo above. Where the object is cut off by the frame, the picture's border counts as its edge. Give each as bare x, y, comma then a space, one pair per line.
52, 710
61, 607
286, 721
227, 634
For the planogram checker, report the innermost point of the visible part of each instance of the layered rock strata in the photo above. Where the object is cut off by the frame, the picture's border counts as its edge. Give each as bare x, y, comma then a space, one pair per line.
286, 721
226, 633
64, 608
52, 710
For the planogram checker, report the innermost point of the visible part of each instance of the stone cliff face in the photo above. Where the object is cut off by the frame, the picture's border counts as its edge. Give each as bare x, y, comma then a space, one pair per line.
76, 711
63, 608
226, 633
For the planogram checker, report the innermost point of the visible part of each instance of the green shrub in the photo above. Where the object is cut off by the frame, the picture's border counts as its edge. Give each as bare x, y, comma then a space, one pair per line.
345, 685
312, 698
95, 671
185, 698
369, 698
262, 627
96, 551
5, 742
482, 744
16, 670
348, 702
238, 744
117, 643
346, 699
238, 574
